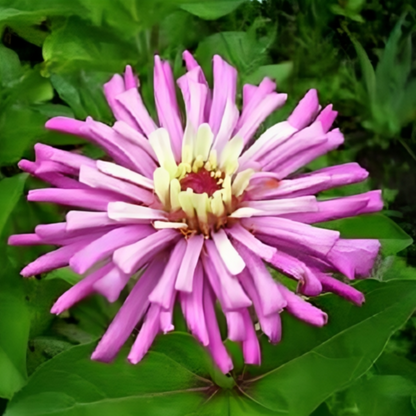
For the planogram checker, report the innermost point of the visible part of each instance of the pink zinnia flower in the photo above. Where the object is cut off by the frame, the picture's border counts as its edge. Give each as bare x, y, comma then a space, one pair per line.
196, 210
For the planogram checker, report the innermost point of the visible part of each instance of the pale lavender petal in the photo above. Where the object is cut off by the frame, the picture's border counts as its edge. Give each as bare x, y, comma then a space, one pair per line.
330, 284
84, 220
271, 324
251, 345
130, 80
306, 111
243, 236
305, 236
98, 180
69, 126
236, 325
164, 291
334, 139
146, 336
229, 255
304, 140
104, 247
232, 295
130, 313
303, 310
54, 259
272, 138
133, 103
258, 114
354, 257
130, 213
80, 290
112, 89
166, 317
253, 95
334, 209
271, 299
215, 346
285, 207
122, 151
314, 182
71, 159
130, 258
327, 116
94, 199
112, 284
227, 126
184, 281
166, 104
134, 137
193, 310
225, 84
310, 284
24, 240
195, 97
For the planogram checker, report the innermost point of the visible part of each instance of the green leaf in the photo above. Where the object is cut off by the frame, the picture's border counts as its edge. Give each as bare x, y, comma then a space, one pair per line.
211, 10
279, 73
11, 190
313, 363
162, 383
393, 239
384, 396
392, 364
64, 273
14, 327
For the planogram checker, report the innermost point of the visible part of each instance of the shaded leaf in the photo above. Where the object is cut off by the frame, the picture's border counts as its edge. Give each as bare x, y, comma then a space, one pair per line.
211, 10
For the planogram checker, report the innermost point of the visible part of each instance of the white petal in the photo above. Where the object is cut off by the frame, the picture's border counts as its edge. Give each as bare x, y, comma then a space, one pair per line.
160, 142
161, 179
123, 212
232, 260
160, 225
203, 142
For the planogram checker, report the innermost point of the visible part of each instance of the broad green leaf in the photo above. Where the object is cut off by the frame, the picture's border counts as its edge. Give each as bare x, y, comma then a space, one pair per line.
279, 73
11, 190
211, 10
393, 239
395, 268
10, 68
71, 383
14, 330
64, 273
313, 363
392, 364
384, 396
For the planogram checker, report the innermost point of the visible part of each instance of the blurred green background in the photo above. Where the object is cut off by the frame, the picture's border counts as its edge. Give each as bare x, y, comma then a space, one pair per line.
56, 54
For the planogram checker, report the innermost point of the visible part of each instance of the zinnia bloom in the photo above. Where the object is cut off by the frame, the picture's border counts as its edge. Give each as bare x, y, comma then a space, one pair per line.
197, 211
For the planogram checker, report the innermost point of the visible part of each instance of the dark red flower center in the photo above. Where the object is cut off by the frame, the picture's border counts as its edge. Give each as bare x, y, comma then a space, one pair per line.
200, 182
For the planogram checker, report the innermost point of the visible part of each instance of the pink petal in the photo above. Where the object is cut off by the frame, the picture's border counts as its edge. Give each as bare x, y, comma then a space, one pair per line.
112, 89
80, 290
330, 284
130, 258
251, 346
164, 291
147, 334
192, 307
225, 84
305, 111
133, 103
69, 126
166, 104
226, 286
334, 209
104, 247
24, 240
270, 324
271, 299
98, 180
184, 281
130, 314
112, 284
215, 346
327, 116
244, 237
81, 220
236, 325
94, 199
54, 259
303, 310
130, 80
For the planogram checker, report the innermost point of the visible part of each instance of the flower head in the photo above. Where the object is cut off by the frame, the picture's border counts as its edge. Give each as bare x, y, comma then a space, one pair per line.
197, 211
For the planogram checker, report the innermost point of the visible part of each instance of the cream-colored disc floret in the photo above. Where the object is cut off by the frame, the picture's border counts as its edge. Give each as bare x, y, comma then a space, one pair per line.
218, 186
